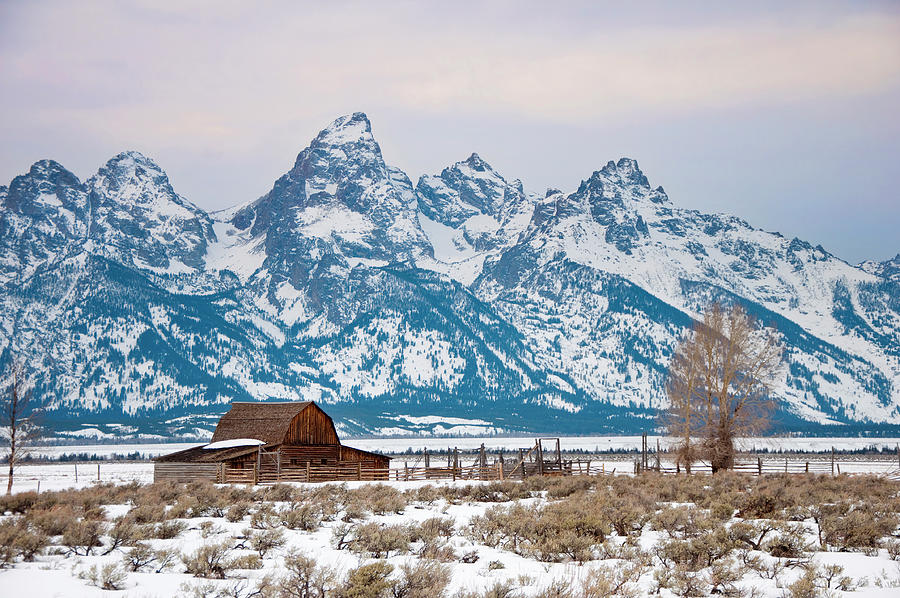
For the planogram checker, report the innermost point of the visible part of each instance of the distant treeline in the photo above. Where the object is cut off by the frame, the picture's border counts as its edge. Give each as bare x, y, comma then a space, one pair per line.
79, 457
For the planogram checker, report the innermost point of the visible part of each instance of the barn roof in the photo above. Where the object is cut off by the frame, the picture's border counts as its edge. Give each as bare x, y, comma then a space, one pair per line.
268, 422
198, 454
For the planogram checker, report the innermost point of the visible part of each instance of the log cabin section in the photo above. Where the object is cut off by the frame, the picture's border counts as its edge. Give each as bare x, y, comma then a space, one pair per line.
258, 443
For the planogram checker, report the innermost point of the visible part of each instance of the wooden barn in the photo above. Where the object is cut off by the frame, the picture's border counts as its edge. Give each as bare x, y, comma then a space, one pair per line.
259, 443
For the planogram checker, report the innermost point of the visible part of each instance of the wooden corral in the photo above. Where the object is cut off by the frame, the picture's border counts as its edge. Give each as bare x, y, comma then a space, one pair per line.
271, 442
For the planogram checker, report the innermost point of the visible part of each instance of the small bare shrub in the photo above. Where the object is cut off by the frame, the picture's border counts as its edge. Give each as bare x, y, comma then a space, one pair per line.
53, 521
167, 530
247, 561
379, 541
110, 576
368, 581
859, 529
122, 533
304, 517
267, 540
237, 511
265, 517
305, 578
558, 588
139, 557
19, 540
166, 558
81, 537
606, 581
696, 553
422, 580
789, 542
280, 493
147, 513
379, 499
210, 560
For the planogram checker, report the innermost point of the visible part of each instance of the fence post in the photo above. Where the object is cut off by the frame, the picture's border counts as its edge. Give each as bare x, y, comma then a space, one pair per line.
359, 470
832, 461
759, 466
427, 459
807, 467
540, 456
308, 478
482, 463
76, 473
98, 472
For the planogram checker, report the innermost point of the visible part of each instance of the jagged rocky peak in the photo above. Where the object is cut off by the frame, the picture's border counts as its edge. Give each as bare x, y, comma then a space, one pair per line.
41, 212
342, 165
339, 199
139, 220
350, 129
45, 180
468, 188
889, 269
132, 178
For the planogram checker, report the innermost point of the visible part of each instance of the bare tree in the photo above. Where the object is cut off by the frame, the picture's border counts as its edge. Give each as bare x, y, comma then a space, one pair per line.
19, 413
719, 383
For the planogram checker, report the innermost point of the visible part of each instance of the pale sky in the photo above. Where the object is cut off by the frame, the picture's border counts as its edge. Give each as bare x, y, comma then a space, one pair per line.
784, 116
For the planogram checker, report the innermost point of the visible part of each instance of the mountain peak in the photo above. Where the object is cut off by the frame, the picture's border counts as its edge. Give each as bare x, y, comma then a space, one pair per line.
131, 161
627, 169
43, 169
477, 163
347, 129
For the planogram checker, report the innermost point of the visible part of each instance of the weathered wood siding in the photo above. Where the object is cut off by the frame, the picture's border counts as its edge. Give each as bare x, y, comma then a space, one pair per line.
350, 454
328, 454
185, 472
311, 426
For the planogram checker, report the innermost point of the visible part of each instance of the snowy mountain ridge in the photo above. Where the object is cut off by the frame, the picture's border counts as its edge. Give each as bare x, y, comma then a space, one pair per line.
461, 298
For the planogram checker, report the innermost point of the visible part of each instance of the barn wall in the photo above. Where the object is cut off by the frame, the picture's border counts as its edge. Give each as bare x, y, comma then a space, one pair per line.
315, 454
355, 455
185, 472
311, 426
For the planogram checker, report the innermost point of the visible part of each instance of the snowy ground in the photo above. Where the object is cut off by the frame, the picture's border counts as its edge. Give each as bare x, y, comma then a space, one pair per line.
58, 575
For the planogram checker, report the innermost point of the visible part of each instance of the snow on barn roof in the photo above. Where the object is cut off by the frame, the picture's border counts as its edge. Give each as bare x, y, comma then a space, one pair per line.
222, 444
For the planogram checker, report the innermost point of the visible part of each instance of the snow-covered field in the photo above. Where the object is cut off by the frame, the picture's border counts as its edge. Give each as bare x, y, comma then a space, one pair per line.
475, 565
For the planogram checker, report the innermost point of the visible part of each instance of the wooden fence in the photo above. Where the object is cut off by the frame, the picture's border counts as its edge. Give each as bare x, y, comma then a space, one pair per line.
529, 462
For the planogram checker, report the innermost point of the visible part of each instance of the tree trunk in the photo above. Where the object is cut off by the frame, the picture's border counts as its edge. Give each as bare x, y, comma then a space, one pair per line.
722, 450
10, 481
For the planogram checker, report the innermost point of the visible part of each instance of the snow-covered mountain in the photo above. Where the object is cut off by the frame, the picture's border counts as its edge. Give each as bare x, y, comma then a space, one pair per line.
463, 304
